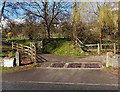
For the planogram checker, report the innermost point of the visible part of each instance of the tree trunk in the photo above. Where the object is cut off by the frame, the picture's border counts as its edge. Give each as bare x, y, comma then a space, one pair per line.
48, 32
2, 11
74, 31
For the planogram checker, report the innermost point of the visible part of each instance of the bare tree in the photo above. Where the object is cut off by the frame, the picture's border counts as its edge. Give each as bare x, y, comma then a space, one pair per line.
46, 11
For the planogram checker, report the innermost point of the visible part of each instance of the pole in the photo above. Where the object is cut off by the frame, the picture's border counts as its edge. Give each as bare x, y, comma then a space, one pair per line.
17, 46
114, 48
12, 45
98, 48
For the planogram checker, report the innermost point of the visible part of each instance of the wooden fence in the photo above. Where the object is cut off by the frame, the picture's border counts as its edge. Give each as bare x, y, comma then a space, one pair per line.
27, 50
103, 47
100, 47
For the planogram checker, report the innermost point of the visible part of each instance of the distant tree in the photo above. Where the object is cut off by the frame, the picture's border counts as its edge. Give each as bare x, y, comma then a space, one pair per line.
66, 29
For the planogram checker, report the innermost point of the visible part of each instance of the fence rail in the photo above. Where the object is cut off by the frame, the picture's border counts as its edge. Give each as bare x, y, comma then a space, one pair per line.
29, 50
103, 47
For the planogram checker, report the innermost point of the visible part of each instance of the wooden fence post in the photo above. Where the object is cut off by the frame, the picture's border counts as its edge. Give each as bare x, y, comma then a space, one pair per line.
35, 53
41, 44
18, 58
32, 56
98, 48
114, 48
12, 45
17, 46
30, 45
31, 51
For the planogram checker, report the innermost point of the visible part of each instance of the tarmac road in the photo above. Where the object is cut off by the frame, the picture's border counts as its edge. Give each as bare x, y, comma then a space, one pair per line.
59, 79
49, 86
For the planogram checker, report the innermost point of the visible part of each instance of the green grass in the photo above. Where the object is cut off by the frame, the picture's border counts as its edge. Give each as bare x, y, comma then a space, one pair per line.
6, 48
7, 51
68, 49
51, 44
9, 69
18, 68
109, 67
64, 47
3, 54
4, 38
5, 68
20, 41
8, 54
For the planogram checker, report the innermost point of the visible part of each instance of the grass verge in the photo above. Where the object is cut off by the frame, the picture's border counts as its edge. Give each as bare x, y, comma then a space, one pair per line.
112, 70
17, 68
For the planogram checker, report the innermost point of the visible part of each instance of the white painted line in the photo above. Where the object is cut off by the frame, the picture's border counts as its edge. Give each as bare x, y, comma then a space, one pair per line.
69, 68
70, 83
78, 62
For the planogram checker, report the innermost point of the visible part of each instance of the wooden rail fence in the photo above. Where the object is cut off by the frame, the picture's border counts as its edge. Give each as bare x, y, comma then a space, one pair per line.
103, 47
28, 50
114, 47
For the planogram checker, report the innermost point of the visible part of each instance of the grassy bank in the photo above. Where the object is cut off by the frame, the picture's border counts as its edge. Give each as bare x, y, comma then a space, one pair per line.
65, 47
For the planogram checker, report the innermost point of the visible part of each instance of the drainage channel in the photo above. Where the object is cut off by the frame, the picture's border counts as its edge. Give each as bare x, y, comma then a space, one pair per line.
71, 65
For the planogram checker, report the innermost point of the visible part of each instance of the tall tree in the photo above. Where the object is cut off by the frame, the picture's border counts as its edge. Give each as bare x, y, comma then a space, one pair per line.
107, 20
75, 17
44, 11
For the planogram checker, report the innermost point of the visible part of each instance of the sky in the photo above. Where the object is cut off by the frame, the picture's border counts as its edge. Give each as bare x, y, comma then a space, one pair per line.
14, 16
0, 5
20, 19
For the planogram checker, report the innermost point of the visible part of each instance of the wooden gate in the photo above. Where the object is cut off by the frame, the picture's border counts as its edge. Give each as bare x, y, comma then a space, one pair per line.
30, 51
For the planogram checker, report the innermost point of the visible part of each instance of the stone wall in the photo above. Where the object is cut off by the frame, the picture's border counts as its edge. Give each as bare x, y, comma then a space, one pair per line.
112, 60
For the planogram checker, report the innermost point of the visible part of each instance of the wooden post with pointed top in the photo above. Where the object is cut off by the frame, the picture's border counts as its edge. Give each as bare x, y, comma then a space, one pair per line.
98, 48
114, 48
12, 45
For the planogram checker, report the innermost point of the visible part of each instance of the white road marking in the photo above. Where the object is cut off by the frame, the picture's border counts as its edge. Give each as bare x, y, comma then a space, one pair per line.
70, 83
